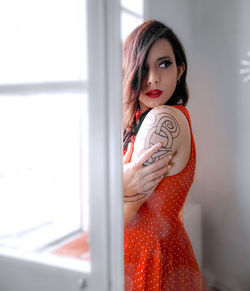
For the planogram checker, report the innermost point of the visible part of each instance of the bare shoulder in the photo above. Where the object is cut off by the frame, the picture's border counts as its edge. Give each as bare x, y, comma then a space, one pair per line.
169, 111
168, 125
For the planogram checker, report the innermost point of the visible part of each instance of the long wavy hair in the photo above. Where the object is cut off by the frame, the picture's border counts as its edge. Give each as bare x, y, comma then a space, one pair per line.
134, 55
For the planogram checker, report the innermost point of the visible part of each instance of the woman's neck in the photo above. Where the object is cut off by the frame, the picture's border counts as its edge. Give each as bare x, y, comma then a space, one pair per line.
143, 108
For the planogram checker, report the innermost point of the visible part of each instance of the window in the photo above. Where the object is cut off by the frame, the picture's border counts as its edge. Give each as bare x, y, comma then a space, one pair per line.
42, 41
60, 174
131, 16
43, 121
46, 92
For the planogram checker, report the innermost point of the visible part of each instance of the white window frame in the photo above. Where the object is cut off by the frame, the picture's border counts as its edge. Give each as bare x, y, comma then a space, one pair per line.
29, 273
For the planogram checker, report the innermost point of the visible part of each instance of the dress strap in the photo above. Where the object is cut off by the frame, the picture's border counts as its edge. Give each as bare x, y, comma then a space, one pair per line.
184, 110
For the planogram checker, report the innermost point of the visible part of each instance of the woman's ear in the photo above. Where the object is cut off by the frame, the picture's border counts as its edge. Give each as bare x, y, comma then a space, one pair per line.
181, 68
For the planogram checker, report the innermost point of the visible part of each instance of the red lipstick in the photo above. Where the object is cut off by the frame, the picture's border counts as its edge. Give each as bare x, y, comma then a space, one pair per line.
154, 93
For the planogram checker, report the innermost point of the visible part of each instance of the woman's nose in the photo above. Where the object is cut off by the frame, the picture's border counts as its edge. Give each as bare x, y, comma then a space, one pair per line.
153, 78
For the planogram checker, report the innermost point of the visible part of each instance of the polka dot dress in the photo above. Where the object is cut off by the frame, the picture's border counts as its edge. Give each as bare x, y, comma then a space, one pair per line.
157, 252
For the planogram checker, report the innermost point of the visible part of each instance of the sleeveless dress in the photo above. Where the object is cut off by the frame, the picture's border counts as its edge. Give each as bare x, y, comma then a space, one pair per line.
157, 252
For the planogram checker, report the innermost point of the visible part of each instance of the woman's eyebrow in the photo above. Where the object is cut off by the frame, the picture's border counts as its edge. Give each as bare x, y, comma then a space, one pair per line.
163, 58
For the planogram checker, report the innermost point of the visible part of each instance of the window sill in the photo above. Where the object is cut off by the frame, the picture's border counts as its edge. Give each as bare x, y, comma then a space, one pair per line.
77, 247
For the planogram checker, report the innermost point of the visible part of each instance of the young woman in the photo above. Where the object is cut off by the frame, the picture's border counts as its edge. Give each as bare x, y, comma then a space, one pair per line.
159, 162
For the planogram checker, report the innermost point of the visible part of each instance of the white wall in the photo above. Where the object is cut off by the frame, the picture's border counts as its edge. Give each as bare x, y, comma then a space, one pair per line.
215, 34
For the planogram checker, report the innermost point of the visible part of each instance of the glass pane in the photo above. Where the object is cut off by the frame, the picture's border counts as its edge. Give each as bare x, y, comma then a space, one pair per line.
128, 23
42, 41
134, 6
42, 149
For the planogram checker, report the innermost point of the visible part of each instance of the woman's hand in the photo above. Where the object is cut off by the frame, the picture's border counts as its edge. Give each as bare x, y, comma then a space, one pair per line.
139, 181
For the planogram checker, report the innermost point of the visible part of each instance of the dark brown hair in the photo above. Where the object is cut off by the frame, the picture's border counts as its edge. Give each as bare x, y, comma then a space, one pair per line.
135, 51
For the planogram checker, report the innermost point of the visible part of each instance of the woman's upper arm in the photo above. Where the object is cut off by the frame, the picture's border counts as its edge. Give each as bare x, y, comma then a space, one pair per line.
168, 125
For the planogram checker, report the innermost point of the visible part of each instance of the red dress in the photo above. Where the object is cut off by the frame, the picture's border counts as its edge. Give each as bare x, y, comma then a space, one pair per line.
157, 252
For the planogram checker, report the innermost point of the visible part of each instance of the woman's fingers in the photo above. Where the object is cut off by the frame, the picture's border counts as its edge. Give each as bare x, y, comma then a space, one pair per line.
155, 172
148, 153
140, 179
129, 152
160, 164
159, 173
150, 188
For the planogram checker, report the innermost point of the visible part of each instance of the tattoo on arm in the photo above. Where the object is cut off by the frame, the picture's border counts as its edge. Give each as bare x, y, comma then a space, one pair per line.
134, 198
161, 127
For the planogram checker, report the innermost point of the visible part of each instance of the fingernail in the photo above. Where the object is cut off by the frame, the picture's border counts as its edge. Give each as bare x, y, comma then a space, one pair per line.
170, 157
169, 166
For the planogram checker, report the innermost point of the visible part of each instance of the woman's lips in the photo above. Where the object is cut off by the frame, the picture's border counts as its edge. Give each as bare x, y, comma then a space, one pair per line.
154, 93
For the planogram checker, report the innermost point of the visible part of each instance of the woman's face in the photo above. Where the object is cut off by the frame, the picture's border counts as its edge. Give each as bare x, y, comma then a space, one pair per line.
161, 75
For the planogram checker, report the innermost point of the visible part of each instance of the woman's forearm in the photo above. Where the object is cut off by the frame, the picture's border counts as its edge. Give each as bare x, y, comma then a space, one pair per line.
130, 210
140, 179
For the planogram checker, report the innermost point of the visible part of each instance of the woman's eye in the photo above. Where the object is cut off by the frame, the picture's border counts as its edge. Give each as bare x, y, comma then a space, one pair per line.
165, 64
